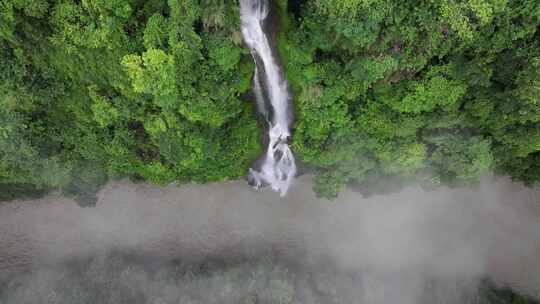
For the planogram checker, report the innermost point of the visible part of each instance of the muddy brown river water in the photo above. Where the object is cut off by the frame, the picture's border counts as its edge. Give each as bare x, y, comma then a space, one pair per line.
492, 230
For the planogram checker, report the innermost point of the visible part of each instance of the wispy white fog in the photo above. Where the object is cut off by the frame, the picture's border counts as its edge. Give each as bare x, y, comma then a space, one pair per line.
408, 247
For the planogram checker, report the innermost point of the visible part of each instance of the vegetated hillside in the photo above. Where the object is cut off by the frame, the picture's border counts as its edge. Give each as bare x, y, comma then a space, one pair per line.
441, 91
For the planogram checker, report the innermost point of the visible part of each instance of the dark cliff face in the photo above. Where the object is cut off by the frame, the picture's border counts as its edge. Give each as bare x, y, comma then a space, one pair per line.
272, 27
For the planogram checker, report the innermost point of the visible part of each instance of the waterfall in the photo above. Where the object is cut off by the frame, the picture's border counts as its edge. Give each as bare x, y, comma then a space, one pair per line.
276, 167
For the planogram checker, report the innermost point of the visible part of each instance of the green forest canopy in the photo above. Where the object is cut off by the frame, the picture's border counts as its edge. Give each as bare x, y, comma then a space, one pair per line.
437, 91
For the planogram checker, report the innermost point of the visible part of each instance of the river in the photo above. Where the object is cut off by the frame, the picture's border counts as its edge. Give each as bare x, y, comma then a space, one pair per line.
492, 230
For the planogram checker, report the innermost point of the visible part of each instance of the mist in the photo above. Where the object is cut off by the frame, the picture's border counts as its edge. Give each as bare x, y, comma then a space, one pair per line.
227, 243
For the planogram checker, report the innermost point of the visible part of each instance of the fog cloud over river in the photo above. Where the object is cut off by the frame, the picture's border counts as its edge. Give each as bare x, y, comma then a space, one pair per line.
395, 245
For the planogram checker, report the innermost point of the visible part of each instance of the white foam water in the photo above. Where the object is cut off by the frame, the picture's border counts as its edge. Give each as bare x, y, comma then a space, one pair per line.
277, 166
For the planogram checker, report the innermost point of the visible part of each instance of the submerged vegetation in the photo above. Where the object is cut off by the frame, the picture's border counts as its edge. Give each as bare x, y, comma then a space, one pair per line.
122, 278
441, 91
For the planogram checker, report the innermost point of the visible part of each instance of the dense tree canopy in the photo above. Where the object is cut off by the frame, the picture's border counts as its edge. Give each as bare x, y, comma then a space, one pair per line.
441, 91
150, 89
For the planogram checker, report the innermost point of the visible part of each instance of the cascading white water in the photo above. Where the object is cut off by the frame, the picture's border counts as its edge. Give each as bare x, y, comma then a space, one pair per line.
277, 166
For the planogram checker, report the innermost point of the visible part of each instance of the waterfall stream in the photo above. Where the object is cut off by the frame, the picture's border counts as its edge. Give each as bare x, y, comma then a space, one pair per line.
276, 167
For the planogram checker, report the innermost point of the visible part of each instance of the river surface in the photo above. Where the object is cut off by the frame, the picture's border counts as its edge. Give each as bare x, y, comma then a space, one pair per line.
492, 230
